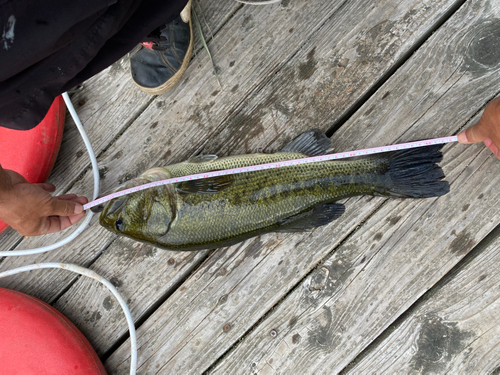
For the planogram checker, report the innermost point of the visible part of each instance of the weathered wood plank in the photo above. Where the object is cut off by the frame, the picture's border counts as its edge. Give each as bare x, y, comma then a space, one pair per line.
406, 247
107, 103
165, 346
456, 330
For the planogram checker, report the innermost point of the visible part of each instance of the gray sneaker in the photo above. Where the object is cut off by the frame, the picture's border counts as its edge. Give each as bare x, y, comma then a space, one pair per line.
157, 64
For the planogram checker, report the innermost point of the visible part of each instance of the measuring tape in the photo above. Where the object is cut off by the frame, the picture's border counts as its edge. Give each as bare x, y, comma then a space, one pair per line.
285, 163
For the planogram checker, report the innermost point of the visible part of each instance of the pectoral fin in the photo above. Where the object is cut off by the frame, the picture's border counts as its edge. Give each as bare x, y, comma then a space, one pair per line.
312, 143
205, 186
318, 216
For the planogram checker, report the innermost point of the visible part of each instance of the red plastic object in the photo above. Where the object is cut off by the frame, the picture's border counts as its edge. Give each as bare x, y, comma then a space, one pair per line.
37, 339
32, 153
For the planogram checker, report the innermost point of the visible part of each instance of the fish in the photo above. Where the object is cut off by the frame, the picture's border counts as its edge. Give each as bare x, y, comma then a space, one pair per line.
224, 210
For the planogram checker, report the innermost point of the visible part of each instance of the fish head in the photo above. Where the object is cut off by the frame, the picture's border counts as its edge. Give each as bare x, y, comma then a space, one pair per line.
145, 215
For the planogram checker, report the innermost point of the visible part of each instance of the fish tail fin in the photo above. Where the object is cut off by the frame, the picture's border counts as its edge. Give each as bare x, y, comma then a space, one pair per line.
413, 173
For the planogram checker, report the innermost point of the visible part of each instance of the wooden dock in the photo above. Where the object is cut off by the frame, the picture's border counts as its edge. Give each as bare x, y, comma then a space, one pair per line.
393, 286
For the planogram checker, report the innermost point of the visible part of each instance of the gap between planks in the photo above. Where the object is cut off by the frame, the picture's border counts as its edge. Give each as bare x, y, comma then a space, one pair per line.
140, 321
397, 64
265, 80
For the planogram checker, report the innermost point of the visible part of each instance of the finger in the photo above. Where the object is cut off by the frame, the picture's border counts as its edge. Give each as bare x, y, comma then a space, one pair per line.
67, 197
474, 134
74, 198
75, 218
82, 200
46, 186
16, 178
462, 138
489, 143
62, 207
59, 223
468, 136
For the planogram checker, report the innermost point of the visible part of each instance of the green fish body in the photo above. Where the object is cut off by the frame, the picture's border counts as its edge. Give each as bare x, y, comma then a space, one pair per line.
224, 210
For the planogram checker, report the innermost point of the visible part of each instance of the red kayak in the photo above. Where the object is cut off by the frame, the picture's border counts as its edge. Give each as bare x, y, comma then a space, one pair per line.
37, 339
32, 153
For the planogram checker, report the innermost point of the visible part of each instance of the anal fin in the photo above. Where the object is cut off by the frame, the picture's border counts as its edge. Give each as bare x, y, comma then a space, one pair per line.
320, 215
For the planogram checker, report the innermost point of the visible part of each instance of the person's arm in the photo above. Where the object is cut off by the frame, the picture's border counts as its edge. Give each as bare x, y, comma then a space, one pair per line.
32, 210
486, 130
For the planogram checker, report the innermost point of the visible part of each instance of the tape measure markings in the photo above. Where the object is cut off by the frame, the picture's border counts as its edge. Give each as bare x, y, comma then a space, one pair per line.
288, 163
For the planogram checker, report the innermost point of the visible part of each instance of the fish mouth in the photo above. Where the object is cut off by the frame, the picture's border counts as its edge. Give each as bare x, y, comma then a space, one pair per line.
97, 209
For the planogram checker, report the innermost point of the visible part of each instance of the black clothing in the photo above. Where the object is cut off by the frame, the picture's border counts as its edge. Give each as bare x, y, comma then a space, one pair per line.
51, 46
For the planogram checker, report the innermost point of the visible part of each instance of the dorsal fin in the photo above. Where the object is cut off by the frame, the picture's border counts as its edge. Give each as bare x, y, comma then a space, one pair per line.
205, 186
202, 158
312, 143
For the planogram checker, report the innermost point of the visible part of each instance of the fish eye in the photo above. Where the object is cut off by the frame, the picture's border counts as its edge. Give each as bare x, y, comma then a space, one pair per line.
119, 225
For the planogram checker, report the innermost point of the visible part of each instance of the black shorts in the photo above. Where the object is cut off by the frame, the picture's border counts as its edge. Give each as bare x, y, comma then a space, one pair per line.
50, 46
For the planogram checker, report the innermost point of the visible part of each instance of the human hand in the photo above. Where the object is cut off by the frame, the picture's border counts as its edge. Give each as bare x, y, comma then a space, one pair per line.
32, 210
486, 130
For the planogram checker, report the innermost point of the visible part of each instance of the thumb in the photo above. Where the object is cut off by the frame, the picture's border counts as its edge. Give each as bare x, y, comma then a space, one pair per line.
65, 208
473, 134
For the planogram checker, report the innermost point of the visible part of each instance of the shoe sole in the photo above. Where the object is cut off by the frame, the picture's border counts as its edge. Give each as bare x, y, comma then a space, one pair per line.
177, 75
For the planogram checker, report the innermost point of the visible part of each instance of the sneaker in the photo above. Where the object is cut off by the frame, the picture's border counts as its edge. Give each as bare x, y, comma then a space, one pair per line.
158, 64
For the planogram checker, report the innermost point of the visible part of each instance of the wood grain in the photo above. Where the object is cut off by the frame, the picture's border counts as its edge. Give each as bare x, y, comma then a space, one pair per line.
455, 330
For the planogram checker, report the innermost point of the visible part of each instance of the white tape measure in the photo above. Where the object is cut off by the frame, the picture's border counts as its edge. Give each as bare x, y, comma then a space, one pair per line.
286, 163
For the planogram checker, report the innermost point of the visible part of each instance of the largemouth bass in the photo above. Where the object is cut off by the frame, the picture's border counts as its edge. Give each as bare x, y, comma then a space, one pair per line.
224, 210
